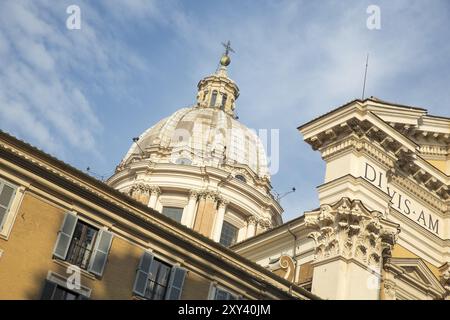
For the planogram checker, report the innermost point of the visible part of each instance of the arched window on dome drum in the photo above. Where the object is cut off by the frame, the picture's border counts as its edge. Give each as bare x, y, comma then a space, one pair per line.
185, 161
213, 98
240, 177
224, 100
229, 234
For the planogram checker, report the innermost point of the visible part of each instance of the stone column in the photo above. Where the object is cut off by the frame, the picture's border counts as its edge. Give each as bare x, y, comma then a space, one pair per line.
218, 223
351, 243
204, 219
251, 227
189, 214
154, 194
140, 192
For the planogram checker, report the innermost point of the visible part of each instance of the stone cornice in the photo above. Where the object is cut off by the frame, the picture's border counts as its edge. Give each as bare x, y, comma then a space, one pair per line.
362, 135
210, 173
434, 287
431, 199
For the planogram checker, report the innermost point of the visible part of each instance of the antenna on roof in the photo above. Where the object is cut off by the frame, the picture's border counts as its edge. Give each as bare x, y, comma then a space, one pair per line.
135, 140
282, 195
365, 77
96, 175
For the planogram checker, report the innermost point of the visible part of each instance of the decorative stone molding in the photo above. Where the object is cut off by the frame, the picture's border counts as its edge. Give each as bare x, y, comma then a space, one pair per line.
251, 220
363, 135
223, 203
139, 188
193, 194
209, 194
287, 264
349, 229
264, 223
445, 279
389, 288
155, 190
141, 192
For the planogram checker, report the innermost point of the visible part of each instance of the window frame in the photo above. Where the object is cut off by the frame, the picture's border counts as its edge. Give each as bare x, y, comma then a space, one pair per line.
236, 235
181, 211
95, 249
61, 281
93, 243
166, 286
174, 266
213, 100
14, 206
216, 287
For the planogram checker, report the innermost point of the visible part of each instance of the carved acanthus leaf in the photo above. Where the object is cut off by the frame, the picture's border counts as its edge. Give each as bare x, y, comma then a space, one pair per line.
347, 228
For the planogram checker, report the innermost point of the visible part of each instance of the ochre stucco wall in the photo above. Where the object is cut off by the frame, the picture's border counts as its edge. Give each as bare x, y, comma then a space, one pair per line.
27, 258
401, 252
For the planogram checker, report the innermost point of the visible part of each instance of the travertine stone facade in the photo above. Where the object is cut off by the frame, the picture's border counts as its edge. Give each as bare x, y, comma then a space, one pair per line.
382, 228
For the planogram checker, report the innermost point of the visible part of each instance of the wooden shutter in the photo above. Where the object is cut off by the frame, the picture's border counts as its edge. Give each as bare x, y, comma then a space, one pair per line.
143, 273
7, 192
100, 254
176, 282
48, 290
65, 235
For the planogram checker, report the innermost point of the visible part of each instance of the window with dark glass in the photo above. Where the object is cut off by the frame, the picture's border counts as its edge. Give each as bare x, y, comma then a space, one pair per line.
7, 192
184, 161
158, 280
53, 291
173, 213
82, 245
229, 234
222, 294
241, 178
224, 100
213, 99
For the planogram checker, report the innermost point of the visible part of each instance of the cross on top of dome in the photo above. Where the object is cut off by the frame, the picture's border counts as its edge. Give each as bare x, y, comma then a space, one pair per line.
225, 60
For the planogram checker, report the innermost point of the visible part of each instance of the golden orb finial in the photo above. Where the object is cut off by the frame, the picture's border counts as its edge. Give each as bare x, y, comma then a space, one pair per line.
225, 60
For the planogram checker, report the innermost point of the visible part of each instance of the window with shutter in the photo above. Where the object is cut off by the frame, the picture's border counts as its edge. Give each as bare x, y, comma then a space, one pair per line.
142, 274
53, 291
82, 245
222, 294
157, 280
176, 283
7, 192
100, 254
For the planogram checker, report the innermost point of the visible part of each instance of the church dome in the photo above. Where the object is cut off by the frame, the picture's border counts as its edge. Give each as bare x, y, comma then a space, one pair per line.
201, 136
203, 168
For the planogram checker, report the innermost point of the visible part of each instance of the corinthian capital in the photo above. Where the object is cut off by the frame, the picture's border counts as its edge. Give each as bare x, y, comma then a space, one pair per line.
347, 228
209, 194
251, 220
193, 194
223, 202
154, 190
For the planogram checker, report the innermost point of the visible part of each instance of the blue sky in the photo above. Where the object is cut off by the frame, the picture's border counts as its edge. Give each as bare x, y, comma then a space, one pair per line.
81, 95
